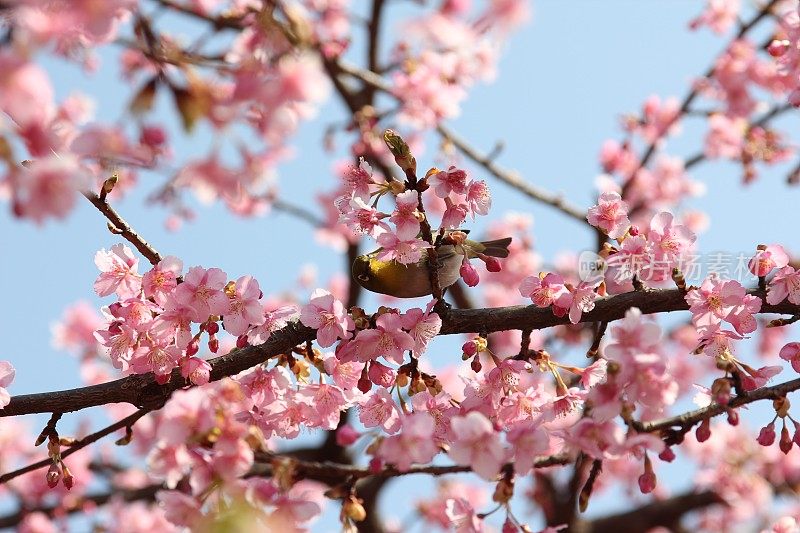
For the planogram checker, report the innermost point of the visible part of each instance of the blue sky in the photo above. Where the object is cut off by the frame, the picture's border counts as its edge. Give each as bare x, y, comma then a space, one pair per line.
563, 83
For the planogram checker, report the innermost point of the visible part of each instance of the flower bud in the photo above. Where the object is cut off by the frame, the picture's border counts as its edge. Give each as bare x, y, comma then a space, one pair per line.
703, 432
353, 509
192, 348
778, 47
241, 341
346, 435
766, 437
53, 475
213, 344
212, 328
785, 443
468, 273
647, 481
667, 455
492, 264
469, 348
475, 365
67, 478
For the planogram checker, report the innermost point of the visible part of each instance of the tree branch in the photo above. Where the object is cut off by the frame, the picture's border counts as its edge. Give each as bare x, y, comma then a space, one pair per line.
128, 421
141, 390
512, 179
690, 97
120, 227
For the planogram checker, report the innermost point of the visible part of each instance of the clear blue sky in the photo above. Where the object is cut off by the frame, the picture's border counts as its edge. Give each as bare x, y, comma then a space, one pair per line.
563, 83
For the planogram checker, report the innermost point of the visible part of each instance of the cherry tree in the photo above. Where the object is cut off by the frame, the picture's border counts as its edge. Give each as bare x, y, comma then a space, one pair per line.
238, 408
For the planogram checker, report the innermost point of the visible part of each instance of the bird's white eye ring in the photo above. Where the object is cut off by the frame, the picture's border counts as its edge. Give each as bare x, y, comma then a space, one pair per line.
363, 277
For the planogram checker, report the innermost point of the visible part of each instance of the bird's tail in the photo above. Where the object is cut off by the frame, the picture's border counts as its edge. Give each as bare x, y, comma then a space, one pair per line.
497, 248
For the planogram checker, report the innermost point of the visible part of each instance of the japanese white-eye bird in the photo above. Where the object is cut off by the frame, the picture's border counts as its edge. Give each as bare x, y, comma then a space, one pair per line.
413, 280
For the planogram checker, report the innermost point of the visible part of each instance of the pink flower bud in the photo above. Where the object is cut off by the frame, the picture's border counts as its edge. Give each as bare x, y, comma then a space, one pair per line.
213, 345
647, 482
778, 47
346, 435
468, 273
509, 527
766, 437
733, 417
381, 375
375, 465
703, 432
68, 478
469, 348
786, 440
192, 348
633, 231
53, 475
492, 264
212, 328
241, 341
667, 455
364, 385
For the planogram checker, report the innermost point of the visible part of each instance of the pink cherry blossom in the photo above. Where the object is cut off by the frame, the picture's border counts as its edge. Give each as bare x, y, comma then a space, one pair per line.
771, 257
47, 187
162, 279
478, 198
422, 326
202, 291
462, 516
714, 300
791, 352
577, 301
76, 329
387, 339
544, 291
328, 316
476, 444
719, 15
784, 284
117, 272
7, 373
358, 180
379, 409
528, 442
245, 308
610, 215
445, 182
405, 216
414, 443
275, 318
406, 251
323, 405
195, 370
362, 218
669, 241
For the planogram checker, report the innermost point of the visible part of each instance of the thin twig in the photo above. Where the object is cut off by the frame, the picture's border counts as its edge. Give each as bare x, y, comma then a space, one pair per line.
120, 227
78, 445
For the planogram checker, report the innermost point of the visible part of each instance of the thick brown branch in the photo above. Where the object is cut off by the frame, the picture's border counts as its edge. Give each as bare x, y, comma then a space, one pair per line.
142, 390
664, 513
